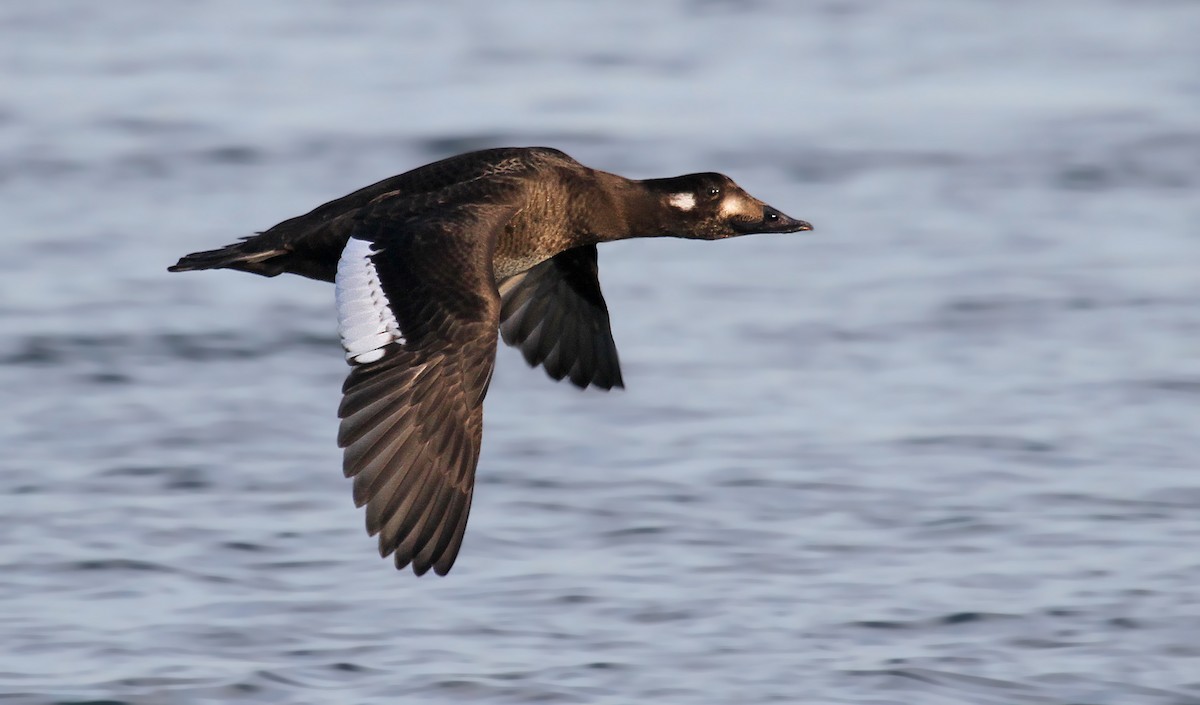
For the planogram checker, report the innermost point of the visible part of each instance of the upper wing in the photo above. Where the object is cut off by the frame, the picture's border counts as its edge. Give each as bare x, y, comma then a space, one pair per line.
418, 310
556, 315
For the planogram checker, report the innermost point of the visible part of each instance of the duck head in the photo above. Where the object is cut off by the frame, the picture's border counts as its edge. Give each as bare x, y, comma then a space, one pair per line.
711, 206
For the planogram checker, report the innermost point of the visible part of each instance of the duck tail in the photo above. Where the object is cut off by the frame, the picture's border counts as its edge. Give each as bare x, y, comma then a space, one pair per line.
249, 255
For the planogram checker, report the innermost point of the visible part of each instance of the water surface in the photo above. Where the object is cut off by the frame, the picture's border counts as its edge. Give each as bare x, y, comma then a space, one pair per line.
941, 450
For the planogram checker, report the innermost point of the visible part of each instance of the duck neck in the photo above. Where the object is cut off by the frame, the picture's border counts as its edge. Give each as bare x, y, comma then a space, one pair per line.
623, 209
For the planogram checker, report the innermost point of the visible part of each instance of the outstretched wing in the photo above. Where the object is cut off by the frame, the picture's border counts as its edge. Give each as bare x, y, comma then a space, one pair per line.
418, 310
556, 315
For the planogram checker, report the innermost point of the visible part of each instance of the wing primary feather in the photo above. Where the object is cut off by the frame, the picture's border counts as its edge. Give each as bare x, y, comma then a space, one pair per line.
447, 557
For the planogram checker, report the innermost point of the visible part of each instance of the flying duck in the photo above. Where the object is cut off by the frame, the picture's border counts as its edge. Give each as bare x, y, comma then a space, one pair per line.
427, 265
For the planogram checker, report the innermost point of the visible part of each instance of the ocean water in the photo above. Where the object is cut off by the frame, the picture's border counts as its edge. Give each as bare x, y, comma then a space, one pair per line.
943, 449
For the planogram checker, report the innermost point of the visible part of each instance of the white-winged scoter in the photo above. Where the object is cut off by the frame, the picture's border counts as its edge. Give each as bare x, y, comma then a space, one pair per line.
427, 265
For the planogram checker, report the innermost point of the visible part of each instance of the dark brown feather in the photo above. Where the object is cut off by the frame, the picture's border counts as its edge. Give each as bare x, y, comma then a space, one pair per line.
443, 235
555, 313
412, 422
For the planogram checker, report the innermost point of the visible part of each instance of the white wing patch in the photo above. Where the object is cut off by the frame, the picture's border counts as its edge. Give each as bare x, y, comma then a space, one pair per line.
683, 201
365, 319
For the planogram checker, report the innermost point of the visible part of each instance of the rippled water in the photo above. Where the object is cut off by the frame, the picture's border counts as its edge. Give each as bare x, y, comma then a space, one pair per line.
943, 449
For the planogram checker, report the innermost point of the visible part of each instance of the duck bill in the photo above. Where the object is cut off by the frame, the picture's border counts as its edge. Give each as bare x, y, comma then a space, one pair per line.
772, 221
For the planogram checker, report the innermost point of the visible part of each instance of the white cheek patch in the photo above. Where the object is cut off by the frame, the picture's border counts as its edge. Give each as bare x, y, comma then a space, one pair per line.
683, 201
733, 206
365, 320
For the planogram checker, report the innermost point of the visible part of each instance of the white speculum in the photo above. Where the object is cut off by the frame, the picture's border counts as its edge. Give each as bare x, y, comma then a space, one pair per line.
683, 201
366, 323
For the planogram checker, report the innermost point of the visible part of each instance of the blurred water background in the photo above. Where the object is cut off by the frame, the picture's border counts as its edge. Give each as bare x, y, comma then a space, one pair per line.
944, 449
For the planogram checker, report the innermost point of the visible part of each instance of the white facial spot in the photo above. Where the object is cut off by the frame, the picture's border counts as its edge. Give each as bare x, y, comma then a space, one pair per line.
683, 201
365, 320
733, 205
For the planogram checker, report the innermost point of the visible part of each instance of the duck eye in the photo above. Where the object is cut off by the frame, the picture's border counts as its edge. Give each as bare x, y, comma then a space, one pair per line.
772, 217
713, 190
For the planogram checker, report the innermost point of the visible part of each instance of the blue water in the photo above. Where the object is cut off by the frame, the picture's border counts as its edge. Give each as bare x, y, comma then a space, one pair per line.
943, 449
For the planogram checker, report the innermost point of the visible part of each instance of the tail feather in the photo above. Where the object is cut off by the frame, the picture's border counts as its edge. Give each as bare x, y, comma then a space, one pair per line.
243, 256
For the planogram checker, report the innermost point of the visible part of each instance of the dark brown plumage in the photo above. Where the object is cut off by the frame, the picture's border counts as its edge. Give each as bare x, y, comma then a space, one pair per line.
428, 265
